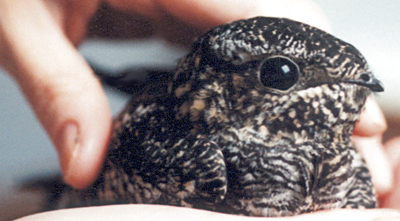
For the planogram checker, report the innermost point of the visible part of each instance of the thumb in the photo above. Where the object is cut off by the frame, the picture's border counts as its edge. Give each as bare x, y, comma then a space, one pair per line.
61, 88
162, 212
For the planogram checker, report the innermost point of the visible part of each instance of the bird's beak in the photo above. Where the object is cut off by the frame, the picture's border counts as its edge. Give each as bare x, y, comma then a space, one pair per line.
374, 84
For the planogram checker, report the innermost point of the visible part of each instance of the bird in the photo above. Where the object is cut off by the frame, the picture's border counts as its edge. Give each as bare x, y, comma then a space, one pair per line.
256, 120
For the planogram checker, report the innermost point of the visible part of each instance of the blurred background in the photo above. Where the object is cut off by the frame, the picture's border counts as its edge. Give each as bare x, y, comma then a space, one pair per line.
26, 152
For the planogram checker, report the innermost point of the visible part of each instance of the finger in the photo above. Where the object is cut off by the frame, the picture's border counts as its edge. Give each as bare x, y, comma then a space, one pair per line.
393, 150
157, 212
206, 14
372, 121
377, 161
59, 85
351, 214
209, 13
368, 139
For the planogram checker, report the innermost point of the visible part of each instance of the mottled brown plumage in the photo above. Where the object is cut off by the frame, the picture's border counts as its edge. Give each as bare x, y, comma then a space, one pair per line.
256, 120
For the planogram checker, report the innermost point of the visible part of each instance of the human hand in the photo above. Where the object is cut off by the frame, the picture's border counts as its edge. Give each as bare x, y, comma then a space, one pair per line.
37, 47
392, 200
159, 212
367, 137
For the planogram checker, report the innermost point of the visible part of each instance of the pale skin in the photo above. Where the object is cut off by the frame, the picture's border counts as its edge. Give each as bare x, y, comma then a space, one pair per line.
38, 40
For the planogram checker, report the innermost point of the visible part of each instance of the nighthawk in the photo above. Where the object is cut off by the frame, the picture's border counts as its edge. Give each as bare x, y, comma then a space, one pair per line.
256, 120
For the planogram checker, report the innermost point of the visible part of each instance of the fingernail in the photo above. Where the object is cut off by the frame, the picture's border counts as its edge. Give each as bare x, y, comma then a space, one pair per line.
372, 121
70, 147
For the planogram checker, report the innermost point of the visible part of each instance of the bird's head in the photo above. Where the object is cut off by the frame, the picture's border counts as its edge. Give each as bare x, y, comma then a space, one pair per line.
273, 73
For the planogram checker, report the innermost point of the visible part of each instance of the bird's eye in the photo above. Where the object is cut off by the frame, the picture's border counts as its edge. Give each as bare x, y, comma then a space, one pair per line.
279, 73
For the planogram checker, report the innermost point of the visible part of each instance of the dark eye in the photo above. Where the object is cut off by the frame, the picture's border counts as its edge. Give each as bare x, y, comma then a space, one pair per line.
279, 73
